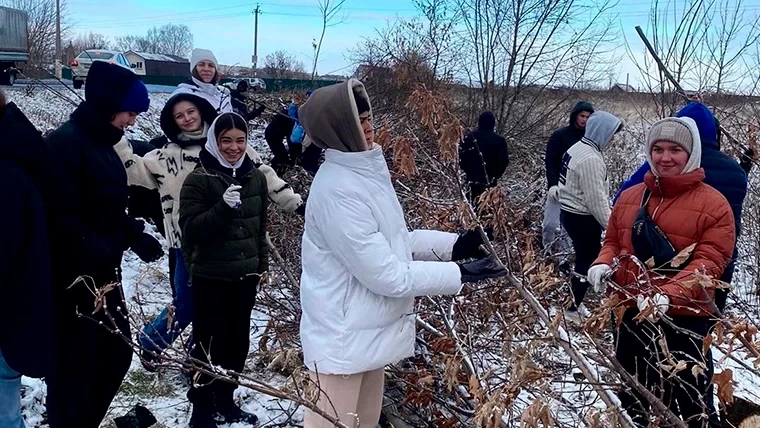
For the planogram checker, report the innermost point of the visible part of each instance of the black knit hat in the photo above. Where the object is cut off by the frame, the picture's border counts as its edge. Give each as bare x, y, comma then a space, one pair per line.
111, 89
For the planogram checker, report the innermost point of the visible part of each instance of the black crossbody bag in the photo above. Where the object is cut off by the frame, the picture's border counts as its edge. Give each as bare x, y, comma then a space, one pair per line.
650, 243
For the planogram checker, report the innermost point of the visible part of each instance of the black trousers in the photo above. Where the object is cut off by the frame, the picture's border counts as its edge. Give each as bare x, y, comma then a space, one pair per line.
221, 330
586, 234
90, 361
638, 351
280, 152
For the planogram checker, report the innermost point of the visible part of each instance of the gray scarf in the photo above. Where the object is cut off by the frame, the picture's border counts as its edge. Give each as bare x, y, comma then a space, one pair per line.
196, 135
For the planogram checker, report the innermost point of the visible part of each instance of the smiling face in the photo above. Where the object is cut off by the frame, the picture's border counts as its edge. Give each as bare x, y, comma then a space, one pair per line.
206, 70
124, 119
369, 130
232, 145
187, 116
669, 158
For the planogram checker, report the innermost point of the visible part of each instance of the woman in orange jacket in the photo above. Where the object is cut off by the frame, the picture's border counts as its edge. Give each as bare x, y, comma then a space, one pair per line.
671, 215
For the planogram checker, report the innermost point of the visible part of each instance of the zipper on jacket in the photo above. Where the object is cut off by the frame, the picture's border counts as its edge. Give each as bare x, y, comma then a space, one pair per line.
234, 172
662, 197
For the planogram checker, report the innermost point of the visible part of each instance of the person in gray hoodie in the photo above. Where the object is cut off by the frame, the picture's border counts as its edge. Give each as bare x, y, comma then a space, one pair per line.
584, 196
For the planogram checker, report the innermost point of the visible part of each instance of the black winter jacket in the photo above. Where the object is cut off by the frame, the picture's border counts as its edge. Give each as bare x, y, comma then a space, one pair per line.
281, 126
219, 242
88, 196
560, 141
484, 145
26, 337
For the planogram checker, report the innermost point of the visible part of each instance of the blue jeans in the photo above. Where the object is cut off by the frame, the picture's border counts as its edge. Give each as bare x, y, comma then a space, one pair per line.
10, 396
159, 335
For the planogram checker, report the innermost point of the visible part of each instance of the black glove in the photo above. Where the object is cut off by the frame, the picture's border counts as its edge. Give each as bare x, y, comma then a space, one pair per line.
301, 210
468, 246
147, 248
480, 269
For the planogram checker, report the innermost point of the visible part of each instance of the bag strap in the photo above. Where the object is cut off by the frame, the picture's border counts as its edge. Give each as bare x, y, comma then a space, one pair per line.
645, 197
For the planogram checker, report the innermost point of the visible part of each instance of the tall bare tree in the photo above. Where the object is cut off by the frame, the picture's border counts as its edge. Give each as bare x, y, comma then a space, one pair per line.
329, 9
169, 39
281, 65
90, 41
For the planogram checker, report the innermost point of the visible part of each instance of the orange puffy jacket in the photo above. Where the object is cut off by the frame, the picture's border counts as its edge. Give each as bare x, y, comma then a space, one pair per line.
688, 212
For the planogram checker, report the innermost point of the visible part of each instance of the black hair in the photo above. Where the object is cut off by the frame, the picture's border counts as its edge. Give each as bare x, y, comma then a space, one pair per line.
362, 105
198, 76
228, 121
620, 128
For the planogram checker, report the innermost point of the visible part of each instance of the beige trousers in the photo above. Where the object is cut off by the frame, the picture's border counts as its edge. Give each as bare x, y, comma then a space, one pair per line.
354, 399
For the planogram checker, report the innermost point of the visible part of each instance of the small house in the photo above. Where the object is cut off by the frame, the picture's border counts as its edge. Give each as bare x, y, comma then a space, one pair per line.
150, 64
622, 88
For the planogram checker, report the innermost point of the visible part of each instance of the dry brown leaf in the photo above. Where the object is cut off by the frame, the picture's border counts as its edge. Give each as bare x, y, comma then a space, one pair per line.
725, 383
682, 256
537, 414
475, 390
706, 342
697, 370
403, 157
100, 297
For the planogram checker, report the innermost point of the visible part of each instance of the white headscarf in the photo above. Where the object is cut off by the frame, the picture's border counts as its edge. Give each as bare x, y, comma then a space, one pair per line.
213, 147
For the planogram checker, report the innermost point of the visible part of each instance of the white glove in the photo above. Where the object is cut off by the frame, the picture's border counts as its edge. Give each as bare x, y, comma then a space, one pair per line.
596, 276
553, 193
231, 196
660, 301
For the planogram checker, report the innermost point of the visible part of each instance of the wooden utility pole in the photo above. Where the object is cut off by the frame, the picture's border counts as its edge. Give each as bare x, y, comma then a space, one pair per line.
58, 52
255, 58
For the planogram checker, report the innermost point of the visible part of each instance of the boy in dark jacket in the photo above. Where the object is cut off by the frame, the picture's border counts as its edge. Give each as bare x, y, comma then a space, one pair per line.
483, 156
89, 232
560, 141
26, 336
721, 172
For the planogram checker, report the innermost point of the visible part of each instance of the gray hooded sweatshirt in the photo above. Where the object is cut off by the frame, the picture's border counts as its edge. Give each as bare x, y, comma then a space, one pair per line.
331, 119
583, 185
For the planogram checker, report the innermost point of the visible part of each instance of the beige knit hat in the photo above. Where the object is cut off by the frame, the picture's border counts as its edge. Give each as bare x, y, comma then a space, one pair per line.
673, 130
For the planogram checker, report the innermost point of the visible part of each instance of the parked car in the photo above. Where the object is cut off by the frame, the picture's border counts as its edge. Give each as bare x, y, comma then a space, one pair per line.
81, 64
256, 84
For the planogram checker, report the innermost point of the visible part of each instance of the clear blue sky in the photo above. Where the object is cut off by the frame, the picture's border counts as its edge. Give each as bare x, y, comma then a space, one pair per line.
226, 26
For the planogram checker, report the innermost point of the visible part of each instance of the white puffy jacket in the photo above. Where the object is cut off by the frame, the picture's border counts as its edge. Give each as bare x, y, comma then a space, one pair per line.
359, 279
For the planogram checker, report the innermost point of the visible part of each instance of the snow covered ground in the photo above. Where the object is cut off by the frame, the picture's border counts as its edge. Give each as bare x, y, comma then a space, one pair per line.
148, 290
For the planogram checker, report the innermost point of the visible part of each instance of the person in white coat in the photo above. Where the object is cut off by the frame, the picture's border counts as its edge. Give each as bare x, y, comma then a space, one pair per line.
204, 81
185, 121
362, 268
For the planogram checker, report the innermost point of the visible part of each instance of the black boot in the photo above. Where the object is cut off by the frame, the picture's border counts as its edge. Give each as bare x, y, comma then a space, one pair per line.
228, 412
203, 408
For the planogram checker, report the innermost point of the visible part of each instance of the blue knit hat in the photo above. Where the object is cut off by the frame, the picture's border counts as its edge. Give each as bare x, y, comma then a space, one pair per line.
111, 89
136, 99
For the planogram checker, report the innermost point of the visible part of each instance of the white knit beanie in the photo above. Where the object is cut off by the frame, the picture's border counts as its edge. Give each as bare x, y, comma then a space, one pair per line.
202, 55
